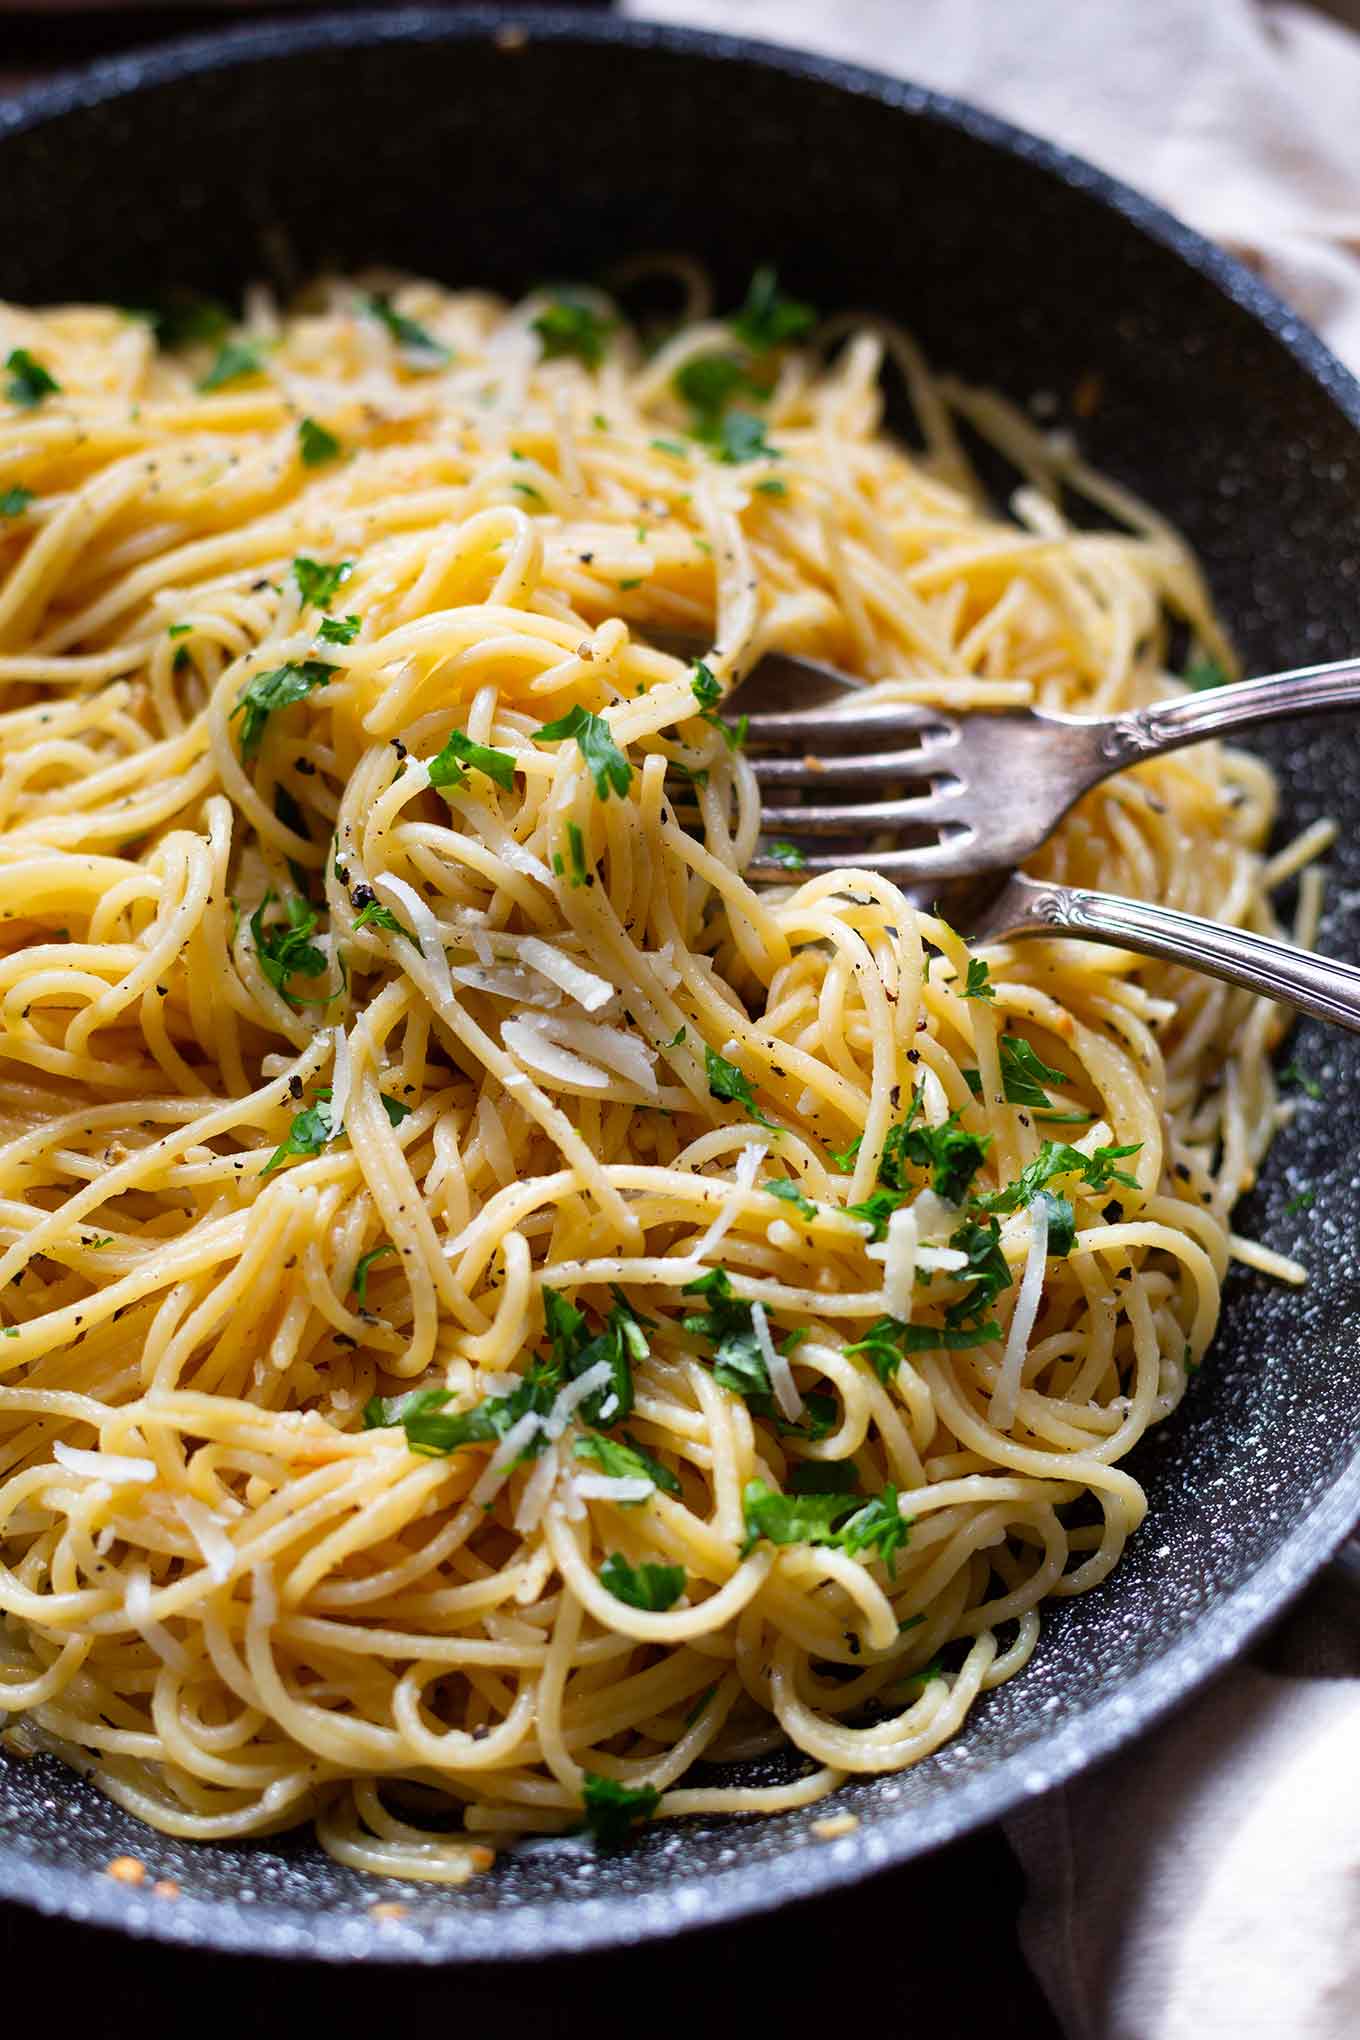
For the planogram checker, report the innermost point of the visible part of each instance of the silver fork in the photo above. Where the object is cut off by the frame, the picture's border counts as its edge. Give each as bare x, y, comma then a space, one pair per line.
988, 788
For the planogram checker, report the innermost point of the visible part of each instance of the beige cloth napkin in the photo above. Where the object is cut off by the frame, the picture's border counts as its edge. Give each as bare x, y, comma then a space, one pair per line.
1204, 1885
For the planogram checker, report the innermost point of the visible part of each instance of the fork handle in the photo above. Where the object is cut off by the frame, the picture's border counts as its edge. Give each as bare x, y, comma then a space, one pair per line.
1320, 985
1278, 697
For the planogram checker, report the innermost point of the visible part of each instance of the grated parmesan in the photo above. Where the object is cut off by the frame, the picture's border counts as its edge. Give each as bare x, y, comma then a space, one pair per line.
219, 1553
340, 1080
530, 1041
604, 1487
1006, 1394
573, 978
397, 893
780, 1373
748, 1165
113, 1467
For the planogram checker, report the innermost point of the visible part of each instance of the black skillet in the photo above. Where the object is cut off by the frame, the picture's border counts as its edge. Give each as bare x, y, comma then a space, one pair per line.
451, 146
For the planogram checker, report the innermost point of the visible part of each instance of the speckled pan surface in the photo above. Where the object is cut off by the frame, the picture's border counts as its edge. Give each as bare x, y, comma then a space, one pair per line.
433, 142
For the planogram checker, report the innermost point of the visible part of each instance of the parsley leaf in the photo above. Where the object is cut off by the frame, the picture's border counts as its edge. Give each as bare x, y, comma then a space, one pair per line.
888, 1340
316, 445
789, 855
376, 915
876, 1210
29, 382
183, 318
1023, 1075
787, 1188
434, 1435
611, 1808
320, 584
725, 1080
879, 1527
839, 1519
1294, 1073
419, 348
1062, 1224
339, 630
571, 326
1204, 673
845, 1158
280, 687
605, 761
655, 1587
741, 437
447, 766
361, 1267
1056, 1158
236, 359
307, 1135
769, 318
283, 950
705, 685
987, 1271
395, 1108
625, 1461
708, 383
977, 985
575, 1352
14, 502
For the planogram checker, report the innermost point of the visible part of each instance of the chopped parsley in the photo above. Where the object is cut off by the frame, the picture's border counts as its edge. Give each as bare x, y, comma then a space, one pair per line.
1055, 1158
1062, 1224
769, 318
419, 348
236, 360
986, 1272
316, 445
605, 761
307, 1135
319, 584
339, 630
611, 1808
29, 382
434, 1433
708, 384
361, 1267
741, 437
576, 845
673, 446
14, 502
571, 326
1205, 672
1294, 1073
450, 767
283, 950
726, 1081
977, 984
375, 915
626, 1461
772, 486
655, 1587
576, 1351
279, 688
787, 1188
888, 1340
1303, 1202
1023, 1074
395, 1108
845, 1521
183, 318
789, 855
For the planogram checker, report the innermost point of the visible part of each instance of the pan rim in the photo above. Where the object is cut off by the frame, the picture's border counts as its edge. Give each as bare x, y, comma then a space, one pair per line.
559, 1927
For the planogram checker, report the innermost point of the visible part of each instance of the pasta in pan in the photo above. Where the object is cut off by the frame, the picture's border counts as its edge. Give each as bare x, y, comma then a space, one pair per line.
501, 1319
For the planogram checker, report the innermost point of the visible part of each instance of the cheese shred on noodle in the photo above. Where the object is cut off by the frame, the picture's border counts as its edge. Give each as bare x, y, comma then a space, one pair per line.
344, 1014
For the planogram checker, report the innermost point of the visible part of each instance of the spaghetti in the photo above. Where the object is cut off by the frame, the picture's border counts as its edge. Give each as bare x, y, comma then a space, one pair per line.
500, 1319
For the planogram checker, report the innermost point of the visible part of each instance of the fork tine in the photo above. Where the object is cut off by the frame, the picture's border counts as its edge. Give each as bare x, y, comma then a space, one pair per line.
888, 719
857, 818
865, 769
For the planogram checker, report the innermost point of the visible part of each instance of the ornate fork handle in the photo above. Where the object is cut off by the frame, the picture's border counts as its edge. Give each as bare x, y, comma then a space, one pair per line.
1166, 725
1320, 985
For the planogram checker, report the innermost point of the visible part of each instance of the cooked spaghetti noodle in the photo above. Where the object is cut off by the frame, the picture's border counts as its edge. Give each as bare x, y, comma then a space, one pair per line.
501, 1318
